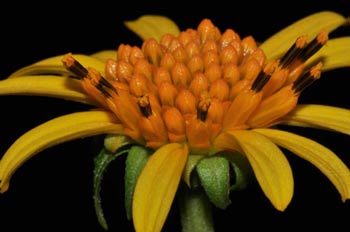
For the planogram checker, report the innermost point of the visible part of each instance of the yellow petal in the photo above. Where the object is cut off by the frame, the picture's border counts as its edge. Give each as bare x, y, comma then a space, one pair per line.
320, 116
270, 167
152, 26
46, 85
156, 187
104, 55
335, 54
53, 65
310, 25
55, 131
321, 157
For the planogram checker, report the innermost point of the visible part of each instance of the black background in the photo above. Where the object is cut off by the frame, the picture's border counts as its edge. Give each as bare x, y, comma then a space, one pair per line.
53, 190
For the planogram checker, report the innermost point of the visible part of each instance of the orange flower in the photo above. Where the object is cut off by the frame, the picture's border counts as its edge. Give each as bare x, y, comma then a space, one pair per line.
193, 95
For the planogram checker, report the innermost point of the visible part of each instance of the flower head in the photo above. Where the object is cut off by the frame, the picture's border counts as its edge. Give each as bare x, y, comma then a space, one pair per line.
191, 97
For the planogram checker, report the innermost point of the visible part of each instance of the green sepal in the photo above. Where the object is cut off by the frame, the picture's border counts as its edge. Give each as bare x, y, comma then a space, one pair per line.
214, 176
102, 160
135, 161
242, 171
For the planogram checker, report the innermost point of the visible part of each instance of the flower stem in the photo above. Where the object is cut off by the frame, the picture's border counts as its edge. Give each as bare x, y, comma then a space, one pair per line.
195, 210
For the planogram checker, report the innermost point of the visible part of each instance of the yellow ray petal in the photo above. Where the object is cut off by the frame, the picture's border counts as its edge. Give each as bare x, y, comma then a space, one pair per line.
335, 54
310, 25
323, 158
156, 187
270, 167
53, 65
55, 131
152, 26
46, 85
320, 116
104, 55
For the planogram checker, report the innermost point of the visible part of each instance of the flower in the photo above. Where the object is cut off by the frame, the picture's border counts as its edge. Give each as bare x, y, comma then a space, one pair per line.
200, 101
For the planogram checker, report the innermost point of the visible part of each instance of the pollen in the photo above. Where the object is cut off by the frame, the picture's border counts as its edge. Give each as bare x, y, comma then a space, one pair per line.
192, 87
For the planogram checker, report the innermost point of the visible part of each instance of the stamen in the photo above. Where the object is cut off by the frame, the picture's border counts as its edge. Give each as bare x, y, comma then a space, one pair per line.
293, 52
203, 106
263, 77
145, 106
74, 66
315, 45
307, 78
78, 69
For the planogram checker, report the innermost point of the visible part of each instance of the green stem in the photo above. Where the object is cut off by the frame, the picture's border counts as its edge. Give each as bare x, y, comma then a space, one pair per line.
195, 210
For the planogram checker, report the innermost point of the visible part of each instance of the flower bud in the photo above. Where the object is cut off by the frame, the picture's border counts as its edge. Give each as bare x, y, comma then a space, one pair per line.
210, 57
167, 93
207, 31
152, 51
161, 74
199, 83
186, 102
142, 67
213, 72
196, 64
180, 74
167, 61
227, 37
111, 69
219, 89
229, 55
175, 124
230, 73
192, 48
124, 71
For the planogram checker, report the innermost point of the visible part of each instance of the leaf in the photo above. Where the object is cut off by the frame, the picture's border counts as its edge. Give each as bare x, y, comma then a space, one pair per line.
214, 175
243, 172
102, 160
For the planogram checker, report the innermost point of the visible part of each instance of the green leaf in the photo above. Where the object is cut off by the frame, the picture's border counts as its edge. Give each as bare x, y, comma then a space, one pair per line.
242, 170
214, 175
103, 159
135, 161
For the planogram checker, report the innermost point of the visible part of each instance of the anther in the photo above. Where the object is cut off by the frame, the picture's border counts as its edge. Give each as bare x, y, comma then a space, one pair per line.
74, 66
79, 70
203, 106
145, 106
307, 78
263, 77
314, 46
293, 52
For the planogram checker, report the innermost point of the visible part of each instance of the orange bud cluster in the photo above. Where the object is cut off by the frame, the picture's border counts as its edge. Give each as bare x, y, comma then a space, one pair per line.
191, 87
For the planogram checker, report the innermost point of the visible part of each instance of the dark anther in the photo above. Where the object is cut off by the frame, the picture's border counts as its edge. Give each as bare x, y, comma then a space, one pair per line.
202, 114
74, 66
260, 81
293, 52
307, 78
145, 106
